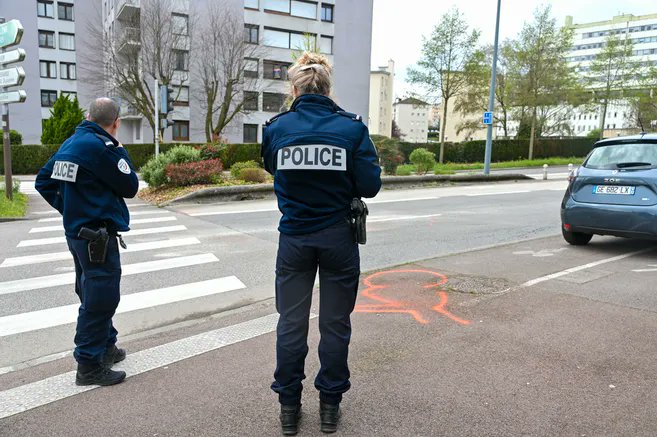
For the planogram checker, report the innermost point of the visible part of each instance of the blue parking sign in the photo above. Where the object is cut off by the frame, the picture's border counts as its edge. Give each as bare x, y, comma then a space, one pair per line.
488, 117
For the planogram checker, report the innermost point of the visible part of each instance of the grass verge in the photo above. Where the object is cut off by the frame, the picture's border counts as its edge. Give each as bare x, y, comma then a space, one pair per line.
450, 168
15, 208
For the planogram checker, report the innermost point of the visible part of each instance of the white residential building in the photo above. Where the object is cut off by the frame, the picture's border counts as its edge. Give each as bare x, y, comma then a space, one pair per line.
412, 117
381, 94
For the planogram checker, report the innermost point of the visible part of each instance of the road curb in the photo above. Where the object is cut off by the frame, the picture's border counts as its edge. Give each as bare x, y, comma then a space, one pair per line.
12, 219
259, 191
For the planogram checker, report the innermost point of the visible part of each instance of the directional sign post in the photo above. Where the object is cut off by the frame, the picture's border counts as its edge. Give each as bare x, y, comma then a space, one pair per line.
488, 117
11, 33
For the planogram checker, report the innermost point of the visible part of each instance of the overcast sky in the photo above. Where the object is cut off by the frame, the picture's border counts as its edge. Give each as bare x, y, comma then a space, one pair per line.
400, 24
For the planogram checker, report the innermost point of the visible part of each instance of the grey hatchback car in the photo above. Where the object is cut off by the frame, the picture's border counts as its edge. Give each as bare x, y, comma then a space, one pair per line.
614, 192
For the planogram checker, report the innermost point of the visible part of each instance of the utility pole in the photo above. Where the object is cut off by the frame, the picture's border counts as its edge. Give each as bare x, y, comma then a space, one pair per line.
491, 98
6, 144
156, 110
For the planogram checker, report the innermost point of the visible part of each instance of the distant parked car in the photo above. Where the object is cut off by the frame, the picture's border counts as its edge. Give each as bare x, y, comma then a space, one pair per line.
614, 192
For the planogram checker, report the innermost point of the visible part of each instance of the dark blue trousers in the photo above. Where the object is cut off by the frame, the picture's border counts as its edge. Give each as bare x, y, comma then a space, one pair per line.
336, 254
98, 287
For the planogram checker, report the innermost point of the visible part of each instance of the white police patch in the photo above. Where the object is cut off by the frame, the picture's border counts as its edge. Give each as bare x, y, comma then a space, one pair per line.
64, 171
312, 157
123, 166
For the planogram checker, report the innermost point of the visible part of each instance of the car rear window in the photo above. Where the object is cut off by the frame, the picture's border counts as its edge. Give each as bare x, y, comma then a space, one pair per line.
630, 155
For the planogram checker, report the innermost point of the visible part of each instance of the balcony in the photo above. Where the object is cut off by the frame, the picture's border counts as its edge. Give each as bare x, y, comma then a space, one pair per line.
128, 10
130, 41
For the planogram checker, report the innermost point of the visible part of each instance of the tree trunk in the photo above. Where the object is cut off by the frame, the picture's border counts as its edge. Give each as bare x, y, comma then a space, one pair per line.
531, 135
603, 118
442, 131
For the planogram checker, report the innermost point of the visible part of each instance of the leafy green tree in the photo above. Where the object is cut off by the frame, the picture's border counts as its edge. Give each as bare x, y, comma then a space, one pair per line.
423, 160
445, 63
643, 102
15, 138
610, 72
539, 71
65, 116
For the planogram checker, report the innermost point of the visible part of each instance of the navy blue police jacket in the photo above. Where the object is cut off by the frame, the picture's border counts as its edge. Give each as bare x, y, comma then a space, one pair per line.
321, 158
87, 179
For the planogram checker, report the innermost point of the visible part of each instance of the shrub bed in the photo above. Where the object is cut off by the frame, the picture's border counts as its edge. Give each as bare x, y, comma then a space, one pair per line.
191, 173
237, 168
256, 175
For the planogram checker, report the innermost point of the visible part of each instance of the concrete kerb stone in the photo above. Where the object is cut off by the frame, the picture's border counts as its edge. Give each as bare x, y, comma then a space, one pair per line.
260, 191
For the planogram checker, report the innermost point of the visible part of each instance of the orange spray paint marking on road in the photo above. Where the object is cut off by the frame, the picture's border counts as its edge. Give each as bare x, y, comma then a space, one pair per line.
415, 307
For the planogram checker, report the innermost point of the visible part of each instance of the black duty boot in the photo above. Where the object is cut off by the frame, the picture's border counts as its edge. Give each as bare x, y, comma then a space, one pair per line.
330, 416
113, 355
290, 416
97, 374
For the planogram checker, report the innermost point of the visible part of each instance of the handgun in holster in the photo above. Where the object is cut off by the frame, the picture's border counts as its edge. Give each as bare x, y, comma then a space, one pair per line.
98, 242
358, 220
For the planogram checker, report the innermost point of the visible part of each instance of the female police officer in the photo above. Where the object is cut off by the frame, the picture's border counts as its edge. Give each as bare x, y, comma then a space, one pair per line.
321, 158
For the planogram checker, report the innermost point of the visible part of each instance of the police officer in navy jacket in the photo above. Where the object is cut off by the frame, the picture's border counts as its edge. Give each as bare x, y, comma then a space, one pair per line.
321, 158
86, 181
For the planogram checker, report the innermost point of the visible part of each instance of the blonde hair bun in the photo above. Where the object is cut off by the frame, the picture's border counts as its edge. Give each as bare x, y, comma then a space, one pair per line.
311, 74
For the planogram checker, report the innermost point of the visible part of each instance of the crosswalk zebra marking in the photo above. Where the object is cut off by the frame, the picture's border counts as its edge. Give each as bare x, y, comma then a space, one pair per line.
132, 222
145, 231
66, 255
57, 316
36, 283
132, 214
46, 391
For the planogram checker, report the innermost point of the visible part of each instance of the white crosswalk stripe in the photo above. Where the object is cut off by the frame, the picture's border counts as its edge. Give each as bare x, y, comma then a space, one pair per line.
66, 255
145, 231
40, 282
132, 214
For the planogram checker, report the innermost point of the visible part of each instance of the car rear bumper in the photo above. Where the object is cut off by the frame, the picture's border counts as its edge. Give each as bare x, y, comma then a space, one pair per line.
618, 220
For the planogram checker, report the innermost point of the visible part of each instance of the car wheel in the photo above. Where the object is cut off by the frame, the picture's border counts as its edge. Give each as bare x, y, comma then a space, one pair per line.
576, 238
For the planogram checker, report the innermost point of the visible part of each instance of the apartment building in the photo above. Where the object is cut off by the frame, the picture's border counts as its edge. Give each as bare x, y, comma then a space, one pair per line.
52, 33
589, 40
281, 28
381, 96
412, 117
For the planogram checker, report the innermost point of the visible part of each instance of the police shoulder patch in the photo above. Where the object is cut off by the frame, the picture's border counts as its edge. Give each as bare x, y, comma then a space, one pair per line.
123, 166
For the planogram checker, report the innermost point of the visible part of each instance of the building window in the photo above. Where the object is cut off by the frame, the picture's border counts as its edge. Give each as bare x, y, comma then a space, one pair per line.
327, 12
180, 24
67, 71
250, 133
66, 41
277, 6
48, 98
65, 11
181, 94
251, 33
72, 95
272, 102
275, 70
251, 68
48, 69
251, 4
326, 45
46, 39
181, 59
285, 39
45, 9
251, 100
304, 9
181, 130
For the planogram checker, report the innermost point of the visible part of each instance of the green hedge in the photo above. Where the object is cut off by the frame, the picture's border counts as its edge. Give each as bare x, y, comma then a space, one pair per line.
28, 159
504, 150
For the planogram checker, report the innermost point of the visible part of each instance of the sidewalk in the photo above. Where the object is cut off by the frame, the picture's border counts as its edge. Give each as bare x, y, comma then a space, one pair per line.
536, 338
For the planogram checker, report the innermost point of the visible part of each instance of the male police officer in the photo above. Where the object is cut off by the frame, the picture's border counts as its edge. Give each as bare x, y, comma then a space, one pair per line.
86, 181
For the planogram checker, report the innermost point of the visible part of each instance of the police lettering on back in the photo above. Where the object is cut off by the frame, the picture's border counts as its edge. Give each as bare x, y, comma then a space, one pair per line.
312, 157
64, 171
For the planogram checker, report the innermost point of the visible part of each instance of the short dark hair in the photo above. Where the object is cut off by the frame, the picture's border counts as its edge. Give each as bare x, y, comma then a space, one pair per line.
104, 111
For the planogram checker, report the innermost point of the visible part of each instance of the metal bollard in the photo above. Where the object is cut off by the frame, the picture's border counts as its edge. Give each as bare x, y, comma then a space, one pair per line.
545, 169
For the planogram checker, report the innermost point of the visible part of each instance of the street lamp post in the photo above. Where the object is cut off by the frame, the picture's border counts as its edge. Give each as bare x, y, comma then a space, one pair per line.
491, 98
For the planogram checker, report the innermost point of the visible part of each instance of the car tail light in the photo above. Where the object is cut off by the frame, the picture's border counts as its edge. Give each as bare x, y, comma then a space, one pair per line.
573, 175
566, 227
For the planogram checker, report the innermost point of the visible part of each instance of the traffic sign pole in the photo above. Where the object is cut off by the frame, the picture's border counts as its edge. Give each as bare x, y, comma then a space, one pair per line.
491, 98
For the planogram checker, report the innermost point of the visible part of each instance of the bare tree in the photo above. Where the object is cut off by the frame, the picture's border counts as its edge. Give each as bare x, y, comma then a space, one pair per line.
227, 60
152, 43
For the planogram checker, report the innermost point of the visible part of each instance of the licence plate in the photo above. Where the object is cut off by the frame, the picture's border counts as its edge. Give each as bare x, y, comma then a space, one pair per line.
614, 189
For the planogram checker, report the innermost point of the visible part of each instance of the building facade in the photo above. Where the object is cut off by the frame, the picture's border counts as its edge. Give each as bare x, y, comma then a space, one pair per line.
589, 41
51, 38
412, 117
381, 96
54, 40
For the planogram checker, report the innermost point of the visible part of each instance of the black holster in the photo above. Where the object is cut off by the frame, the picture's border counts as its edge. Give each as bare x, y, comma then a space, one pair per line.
98, 242
358, 220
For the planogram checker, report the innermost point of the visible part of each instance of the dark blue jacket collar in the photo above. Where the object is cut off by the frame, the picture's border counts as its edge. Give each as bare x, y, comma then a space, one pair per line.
95, 128
314, 99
